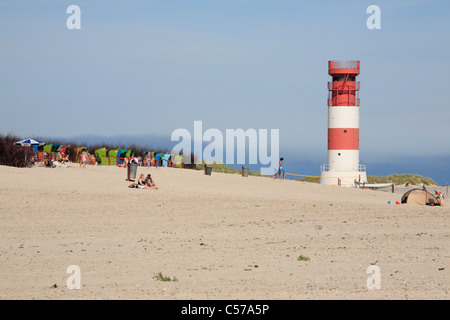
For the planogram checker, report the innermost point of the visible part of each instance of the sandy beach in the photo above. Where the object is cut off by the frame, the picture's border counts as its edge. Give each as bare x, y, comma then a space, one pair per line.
222, 236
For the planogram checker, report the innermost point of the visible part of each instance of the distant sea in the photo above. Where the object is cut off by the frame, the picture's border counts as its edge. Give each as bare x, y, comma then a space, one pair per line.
436, 168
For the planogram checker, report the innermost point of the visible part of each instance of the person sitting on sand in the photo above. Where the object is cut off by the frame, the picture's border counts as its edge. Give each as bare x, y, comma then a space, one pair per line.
141, 182
92, 159
124, 163
150, 182
32, 161
60, 157
49, 164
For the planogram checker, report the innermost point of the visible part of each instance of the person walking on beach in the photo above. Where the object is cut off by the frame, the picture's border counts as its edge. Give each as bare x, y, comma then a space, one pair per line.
83, 159
280, 171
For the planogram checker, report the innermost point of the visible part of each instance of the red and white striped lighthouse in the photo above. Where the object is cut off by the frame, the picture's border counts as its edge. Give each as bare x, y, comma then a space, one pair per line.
343, 166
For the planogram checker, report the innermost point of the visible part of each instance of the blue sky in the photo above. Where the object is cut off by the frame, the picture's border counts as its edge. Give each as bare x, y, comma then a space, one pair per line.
150, 67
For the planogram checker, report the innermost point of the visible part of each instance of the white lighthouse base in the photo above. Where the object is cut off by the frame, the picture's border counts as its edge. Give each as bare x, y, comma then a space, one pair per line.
342, 178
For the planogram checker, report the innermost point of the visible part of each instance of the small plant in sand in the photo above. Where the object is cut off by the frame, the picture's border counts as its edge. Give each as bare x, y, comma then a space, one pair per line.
302, 258
160, 277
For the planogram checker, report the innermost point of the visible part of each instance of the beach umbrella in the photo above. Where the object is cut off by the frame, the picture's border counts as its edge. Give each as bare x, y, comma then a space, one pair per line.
29, 143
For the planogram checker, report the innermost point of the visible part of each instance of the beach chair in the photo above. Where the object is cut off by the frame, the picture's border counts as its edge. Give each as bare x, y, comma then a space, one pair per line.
41, 156
104, 161
112, 161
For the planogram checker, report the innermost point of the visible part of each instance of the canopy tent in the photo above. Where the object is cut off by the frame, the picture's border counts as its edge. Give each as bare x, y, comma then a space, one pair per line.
420, 197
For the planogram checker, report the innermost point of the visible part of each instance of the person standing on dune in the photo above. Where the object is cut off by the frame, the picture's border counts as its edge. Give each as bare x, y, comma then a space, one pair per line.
280, 171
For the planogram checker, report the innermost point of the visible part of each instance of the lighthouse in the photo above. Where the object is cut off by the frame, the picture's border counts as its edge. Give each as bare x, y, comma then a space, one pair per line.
343, 166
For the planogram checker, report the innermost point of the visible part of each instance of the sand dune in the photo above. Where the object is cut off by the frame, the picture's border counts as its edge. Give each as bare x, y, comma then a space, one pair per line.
222, 236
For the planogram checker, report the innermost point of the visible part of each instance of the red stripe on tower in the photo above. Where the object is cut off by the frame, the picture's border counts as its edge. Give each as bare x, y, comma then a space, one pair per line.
343, 139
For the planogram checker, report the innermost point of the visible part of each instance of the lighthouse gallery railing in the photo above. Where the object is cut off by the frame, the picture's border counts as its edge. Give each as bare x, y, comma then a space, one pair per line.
327, 168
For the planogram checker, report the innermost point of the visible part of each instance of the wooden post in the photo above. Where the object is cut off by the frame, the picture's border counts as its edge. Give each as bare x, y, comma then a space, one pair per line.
392, 188
339, 182
128, 170
364, 185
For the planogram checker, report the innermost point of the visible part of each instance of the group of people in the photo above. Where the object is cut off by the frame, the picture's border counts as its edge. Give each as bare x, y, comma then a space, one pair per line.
61, 157
145, 183
46, 161
150, 161
126, 161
